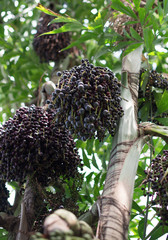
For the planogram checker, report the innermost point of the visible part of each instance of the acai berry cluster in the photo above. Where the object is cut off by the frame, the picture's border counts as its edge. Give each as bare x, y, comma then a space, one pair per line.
31, 145
87, 101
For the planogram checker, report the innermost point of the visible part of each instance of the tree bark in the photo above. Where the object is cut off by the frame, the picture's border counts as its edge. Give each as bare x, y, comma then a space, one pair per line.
116, 199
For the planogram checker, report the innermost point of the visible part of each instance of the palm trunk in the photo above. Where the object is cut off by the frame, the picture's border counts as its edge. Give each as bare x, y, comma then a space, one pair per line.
116, 199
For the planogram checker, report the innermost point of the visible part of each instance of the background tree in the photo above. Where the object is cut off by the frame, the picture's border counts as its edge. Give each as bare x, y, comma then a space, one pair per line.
101, 34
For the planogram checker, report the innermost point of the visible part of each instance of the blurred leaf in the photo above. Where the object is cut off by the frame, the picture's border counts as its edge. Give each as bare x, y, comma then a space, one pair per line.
14, 185
155, 23
142, 14
96, 179
163, 121
86, 36
137, 3
135, 35
122, 45
141, 227
140, 171
162, 104
119, 6
102, 50
1, 31
165, 6
97, 144
96, 191
148, 38
64, 19
137, 207
89, 177
88, 195
144, 111
94, 162
68, 27
161, 12
80, 144
144, 81
149, 4
103, 177
46, 10
138, 182
85, 159
5, 44
157, 232
131, 48
89, 146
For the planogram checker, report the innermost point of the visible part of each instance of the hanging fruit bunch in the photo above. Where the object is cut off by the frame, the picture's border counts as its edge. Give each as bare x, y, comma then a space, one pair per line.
87, 101
148, 80
154, 79
157, 175
30, 145
47, 47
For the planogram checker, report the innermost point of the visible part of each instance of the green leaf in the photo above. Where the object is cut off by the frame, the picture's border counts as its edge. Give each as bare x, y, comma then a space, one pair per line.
140, 171
103, 177
119, 6
162, 104
86, 36
148, 38
157, 232
96, 179
94, 162
141, 228
155, 23
5, 44
46, 10
138, 181
89, 177
149, 4
14, 185
102, 50
135, 35
68, 27
144, 81
137, 3
89, 146
137, 207
131, 48
142, 15
165, 6
97, 144
96, 191
89, 199
1, 31
161, 12
163, 121
144, 111
122, 45
64, 19
85, 159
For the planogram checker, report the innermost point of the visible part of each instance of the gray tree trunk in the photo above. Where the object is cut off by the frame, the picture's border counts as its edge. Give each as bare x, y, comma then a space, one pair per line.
116, 199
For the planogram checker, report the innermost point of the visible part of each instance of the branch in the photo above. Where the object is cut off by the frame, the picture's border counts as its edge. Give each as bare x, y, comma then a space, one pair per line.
147, 128
10, 223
